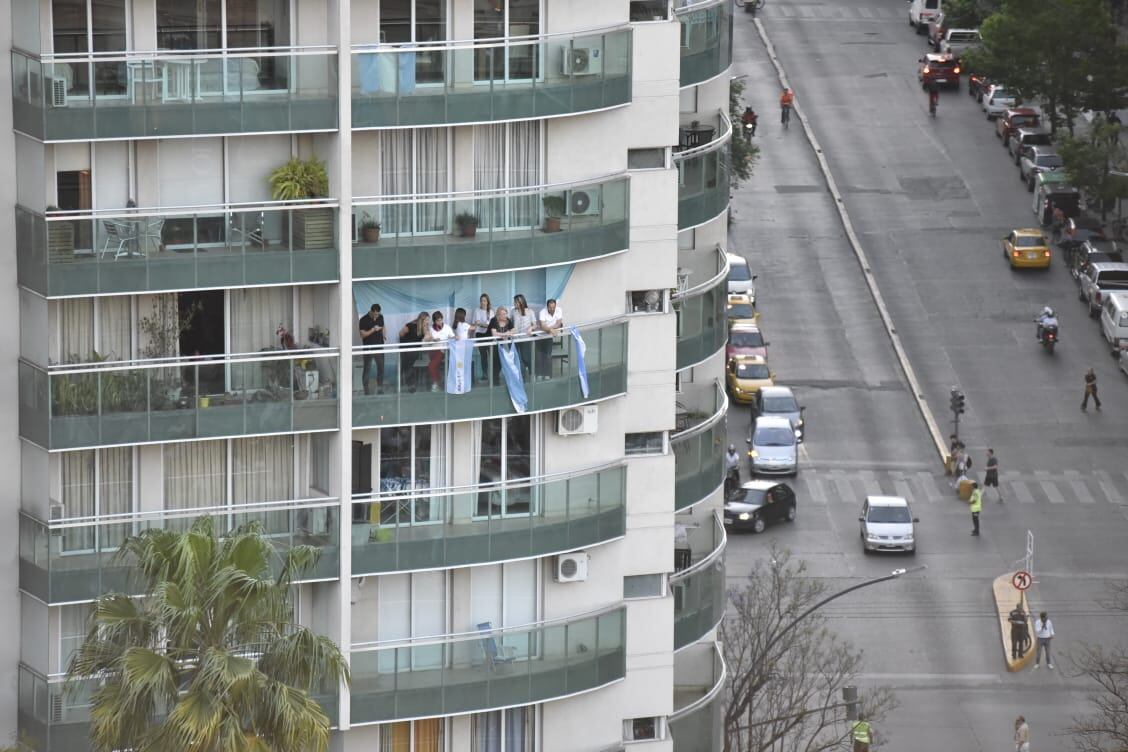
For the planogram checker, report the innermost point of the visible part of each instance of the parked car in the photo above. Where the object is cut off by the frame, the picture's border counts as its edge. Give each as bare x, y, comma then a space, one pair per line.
1038, 159
1093, 251
741, 309
1025, 136
780, 401
887, 524
1114, 319
740, 277
956, 42
942, 70
1015, 118
1027, 249
1122, 359
1097, 280
1053, 189
773, 447
921, 12
745, 339
998, 100
758, 504
746, 375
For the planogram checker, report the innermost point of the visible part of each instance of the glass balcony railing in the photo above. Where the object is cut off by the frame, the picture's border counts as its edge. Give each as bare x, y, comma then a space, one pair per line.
696, 723
74, 560
703, 174
135, 402
429, 528
702, 317
706, 39
416, 378
529, 227
699, 454
138, 250
166, 93
699, 593
488, 668
53, 719
446, 83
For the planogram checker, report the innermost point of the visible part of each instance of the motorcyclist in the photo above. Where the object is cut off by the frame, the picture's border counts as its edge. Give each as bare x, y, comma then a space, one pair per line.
732, 460
1045, 319
749, 118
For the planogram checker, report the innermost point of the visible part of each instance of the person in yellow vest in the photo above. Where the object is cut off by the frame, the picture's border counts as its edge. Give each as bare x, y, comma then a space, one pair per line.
976, 507
863, 734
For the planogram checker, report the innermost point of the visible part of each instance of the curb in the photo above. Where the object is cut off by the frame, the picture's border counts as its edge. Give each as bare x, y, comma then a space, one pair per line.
860, 254
1004, 602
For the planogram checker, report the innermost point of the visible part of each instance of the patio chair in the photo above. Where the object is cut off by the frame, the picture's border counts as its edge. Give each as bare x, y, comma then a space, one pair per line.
121, 234
246, 229
495, 656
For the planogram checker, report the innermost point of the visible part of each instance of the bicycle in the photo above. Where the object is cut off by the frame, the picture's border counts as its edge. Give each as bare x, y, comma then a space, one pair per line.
785, 115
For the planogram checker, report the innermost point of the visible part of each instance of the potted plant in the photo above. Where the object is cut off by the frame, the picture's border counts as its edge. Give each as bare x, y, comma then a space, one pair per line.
553, 210
301, 180
467, 224
369, 229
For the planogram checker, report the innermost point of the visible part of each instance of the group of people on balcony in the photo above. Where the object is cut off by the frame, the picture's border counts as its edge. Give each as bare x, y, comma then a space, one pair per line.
528, 329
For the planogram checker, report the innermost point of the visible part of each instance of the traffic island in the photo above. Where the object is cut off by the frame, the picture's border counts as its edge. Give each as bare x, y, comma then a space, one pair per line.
1006, 596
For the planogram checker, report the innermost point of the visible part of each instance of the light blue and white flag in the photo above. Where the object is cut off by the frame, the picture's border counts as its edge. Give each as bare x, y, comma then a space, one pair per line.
511, 370
581, 364
460, 361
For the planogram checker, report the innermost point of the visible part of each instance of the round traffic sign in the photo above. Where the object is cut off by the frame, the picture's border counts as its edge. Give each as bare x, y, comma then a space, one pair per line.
1021, 580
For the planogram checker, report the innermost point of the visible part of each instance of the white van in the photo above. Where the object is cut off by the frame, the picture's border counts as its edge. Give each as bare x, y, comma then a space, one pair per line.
921, 12
1114, 318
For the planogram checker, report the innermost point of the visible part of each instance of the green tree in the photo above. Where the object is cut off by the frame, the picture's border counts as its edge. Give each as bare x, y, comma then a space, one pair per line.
968, 14
1088, 162
742, 153
209, 659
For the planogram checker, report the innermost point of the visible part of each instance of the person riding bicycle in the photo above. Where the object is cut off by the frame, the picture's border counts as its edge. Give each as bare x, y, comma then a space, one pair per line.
749, 118
786, 102
933, 96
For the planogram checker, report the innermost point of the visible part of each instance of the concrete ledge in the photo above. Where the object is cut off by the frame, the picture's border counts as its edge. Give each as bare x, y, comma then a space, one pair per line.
1004, 601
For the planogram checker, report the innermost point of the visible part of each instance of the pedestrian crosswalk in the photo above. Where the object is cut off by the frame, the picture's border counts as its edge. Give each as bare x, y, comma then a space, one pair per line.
821, 485
823, 11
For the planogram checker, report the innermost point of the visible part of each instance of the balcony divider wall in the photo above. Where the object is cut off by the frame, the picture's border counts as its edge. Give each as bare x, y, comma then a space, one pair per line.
702, 317
699, 465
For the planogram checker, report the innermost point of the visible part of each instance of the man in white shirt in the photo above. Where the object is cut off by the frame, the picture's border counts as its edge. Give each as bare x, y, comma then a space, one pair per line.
1044, 631
550, 323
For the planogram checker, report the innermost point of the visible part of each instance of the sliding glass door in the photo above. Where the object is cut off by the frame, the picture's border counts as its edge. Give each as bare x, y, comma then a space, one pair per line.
508, 156
506, 454
507, 21
414, 162
417, 22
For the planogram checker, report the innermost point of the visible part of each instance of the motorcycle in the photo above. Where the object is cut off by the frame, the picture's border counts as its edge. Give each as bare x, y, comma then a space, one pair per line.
749, 131
933, 101
1048, 336
732, 482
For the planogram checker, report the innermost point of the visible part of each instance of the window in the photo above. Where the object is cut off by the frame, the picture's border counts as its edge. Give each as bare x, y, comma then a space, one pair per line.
419, 22
646, 301
414, 161
646, 159
411, 458
505, 453
319, 470
650, 442
501, 20
503, 730
640, 729
90, 26
72, 631
650, 10
425, 735
508, 155
644, 586
96, 482
411, 605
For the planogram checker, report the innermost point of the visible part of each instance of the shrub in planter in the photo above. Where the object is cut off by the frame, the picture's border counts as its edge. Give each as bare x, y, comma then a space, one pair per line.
299, 180
467, 224
553, 210
369, 229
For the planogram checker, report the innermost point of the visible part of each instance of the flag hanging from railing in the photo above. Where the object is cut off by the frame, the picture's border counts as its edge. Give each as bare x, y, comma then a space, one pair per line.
511, 370
460, 360
581, 364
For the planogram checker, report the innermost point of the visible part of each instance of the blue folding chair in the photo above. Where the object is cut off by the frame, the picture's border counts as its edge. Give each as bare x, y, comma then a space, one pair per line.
494, 655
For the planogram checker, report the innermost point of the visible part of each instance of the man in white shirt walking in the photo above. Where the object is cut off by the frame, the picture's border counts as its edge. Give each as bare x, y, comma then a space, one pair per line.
1021, 735
550, 322
1044, 631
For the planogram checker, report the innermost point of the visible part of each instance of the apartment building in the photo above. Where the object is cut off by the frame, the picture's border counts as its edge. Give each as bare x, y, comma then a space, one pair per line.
520, 545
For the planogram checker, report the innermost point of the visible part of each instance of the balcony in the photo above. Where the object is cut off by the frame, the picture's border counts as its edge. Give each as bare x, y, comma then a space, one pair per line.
551, 378
487, 668
518, 229
135, 402
703, 171
480, 81
430, 528
129, 251
51, 719
696, 723
706, 39
701, 312
699, 589
73, 560
698, 447
182, 93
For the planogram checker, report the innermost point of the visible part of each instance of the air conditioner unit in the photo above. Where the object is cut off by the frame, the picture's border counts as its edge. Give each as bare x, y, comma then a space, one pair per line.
584, 201
58, 91
572, 421
571, 567
581, 61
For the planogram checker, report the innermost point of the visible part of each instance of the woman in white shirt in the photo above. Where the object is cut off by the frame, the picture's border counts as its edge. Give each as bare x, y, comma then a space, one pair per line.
551, 322
524, 325
481, 323
461, 328
437, 332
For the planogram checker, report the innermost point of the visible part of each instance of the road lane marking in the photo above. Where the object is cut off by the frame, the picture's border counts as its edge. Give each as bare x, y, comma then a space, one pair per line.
1018, 489
1104, 480
902, 486
1049, 487
815, 490
842, 487
1080, 490
927, 483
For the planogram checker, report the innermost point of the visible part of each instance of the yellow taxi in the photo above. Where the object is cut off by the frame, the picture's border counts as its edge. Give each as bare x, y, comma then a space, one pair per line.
1027, 249
745, 375
741, 309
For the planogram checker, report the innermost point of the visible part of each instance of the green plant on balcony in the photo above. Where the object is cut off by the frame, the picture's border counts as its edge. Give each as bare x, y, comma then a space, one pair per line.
553, 211
303, 180
369, 228
467, 223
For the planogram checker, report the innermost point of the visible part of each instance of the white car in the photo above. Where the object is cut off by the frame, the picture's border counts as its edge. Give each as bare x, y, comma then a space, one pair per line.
773, 448
740, 277
887, 524
998, 100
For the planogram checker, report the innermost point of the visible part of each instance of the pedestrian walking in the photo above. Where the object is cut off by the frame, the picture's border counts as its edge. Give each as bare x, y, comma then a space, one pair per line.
1019, 633
1044, 631
862, 733
1021, 735
1090, 390
1058, 223
976, 507
991, 480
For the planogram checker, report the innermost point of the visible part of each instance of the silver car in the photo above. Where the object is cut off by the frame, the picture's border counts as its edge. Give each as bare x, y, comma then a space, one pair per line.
780, 401
887, 524
773, 448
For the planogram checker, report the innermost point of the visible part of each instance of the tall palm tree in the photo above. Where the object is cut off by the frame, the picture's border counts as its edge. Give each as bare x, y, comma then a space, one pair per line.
209, 659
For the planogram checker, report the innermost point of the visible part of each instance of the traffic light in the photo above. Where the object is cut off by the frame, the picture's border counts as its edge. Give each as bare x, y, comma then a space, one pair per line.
959, 402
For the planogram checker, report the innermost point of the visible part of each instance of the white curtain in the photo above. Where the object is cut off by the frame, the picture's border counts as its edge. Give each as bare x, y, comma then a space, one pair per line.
489, 171
115, 328
524, 170
503, 730
431, 177
194, 476
507, 155
115, 488
256, 314
76, 330
263, 470
78, 497
72, 630
395, 180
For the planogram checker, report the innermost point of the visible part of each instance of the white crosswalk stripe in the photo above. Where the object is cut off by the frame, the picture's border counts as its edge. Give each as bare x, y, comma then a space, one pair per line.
1049, 487
1078, 488
832, 11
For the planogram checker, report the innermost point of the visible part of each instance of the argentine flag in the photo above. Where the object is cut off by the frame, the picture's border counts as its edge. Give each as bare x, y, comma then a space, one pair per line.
460, 359
581, 364
511, 371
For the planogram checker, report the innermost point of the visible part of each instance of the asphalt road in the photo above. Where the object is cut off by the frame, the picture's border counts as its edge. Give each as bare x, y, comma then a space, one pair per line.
930, 200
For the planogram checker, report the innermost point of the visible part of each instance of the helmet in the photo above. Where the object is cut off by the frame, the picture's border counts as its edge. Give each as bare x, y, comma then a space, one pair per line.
732, 447
1047, 311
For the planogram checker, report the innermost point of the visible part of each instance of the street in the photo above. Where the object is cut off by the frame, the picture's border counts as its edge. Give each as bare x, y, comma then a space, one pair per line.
930, 200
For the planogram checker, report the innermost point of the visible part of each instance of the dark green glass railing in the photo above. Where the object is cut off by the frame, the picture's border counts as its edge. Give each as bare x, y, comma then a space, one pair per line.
415, 378
699, 455
135, 402
706, 40
696, 723
529, 227
429, 528
699, 593
704, 176
702, 317
139, 250
445, 83
487, 668
182, 93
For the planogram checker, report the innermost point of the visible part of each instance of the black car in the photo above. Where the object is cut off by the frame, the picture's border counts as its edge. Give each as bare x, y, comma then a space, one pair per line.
759, 503
1092, 251
1079, 229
